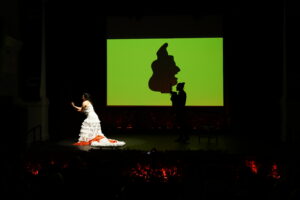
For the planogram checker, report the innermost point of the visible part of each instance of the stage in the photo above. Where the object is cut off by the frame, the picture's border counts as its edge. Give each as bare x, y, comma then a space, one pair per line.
197, 142
166, 141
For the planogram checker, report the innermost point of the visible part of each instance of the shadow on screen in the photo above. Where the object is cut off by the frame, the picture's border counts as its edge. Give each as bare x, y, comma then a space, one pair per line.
164, 70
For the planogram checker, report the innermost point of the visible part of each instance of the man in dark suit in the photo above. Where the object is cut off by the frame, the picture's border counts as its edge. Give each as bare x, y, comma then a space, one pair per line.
178, 102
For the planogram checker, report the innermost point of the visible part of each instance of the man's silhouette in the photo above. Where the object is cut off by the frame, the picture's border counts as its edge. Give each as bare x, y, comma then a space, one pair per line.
178, 102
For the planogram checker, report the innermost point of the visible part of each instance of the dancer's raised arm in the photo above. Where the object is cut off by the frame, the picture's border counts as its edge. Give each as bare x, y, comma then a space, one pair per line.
79, 109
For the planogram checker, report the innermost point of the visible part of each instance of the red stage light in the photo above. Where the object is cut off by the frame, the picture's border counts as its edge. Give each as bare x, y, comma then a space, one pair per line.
147, 173
274, 173
253, 166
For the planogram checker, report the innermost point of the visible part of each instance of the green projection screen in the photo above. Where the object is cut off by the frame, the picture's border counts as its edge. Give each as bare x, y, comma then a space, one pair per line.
129, 69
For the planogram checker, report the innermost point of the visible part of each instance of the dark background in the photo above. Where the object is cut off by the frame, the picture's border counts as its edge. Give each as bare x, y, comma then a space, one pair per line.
76, 31
261, 84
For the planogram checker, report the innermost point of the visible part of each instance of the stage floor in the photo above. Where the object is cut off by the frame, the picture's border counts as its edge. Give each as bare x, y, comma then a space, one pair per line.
230, 144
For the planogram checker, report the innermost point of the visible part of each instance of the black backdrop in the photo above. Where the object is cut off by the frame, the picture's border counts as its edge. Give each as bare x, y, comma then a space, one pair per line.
76, 59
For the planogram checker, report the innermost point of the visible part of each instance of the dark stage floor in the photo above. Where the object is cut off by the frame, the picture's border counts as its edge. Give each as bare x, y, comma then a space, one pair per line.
166, 141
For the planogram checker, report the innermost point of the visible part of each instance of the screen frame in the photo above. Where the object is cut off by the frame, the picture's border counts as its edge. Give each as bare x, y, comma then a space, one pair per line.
204, 107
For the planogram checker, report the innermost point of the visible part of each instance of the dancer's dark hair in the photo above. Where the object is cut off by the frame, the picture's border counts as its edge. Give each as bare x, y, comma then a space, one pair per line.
87, 96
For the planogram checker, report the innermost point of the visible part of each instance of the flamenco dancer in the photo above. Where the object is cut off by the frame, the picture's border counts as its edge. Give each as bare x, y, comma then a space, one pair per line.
90, 132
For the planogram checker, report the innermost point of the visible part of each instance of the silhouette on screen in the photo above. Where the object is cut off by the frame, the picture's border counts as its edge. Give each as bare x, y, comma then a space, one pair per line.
164, 70
178, 103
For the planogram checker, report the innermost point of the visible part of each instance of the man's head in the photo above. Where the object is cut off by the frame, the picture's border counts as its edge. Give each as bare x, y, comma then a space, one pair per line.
180, 86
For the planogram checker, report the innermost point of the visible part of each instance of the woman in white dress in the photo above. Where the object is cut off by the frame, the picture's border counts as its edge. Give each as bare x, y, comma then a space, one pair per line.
90, 132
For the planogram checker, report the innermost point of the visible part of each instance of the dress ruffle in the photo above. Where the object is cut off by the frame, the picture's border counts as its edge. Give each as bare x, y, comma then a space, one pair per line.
91, 133
82, 143
101, 141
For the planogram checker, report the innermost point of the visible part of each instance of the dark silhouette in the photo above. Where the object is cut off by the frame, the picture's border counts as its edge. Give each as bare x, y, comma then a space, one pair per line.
164, 70
178, 103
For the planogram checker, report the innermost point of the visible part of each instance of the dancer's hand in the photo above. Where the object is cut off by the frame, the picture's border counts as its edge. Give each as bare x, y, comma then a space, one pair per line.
72, 103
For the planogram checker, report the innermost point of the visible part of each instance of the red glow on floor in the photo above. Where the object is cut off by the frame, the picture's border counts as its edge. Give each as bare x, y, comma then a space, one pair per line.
35, 172
274, 172
33, 168
147, 173
253, 166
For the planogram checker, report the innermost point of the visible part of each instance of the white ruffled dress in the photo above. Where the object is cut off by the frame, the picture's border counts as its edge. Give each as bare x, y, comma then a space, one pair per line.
91, 133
